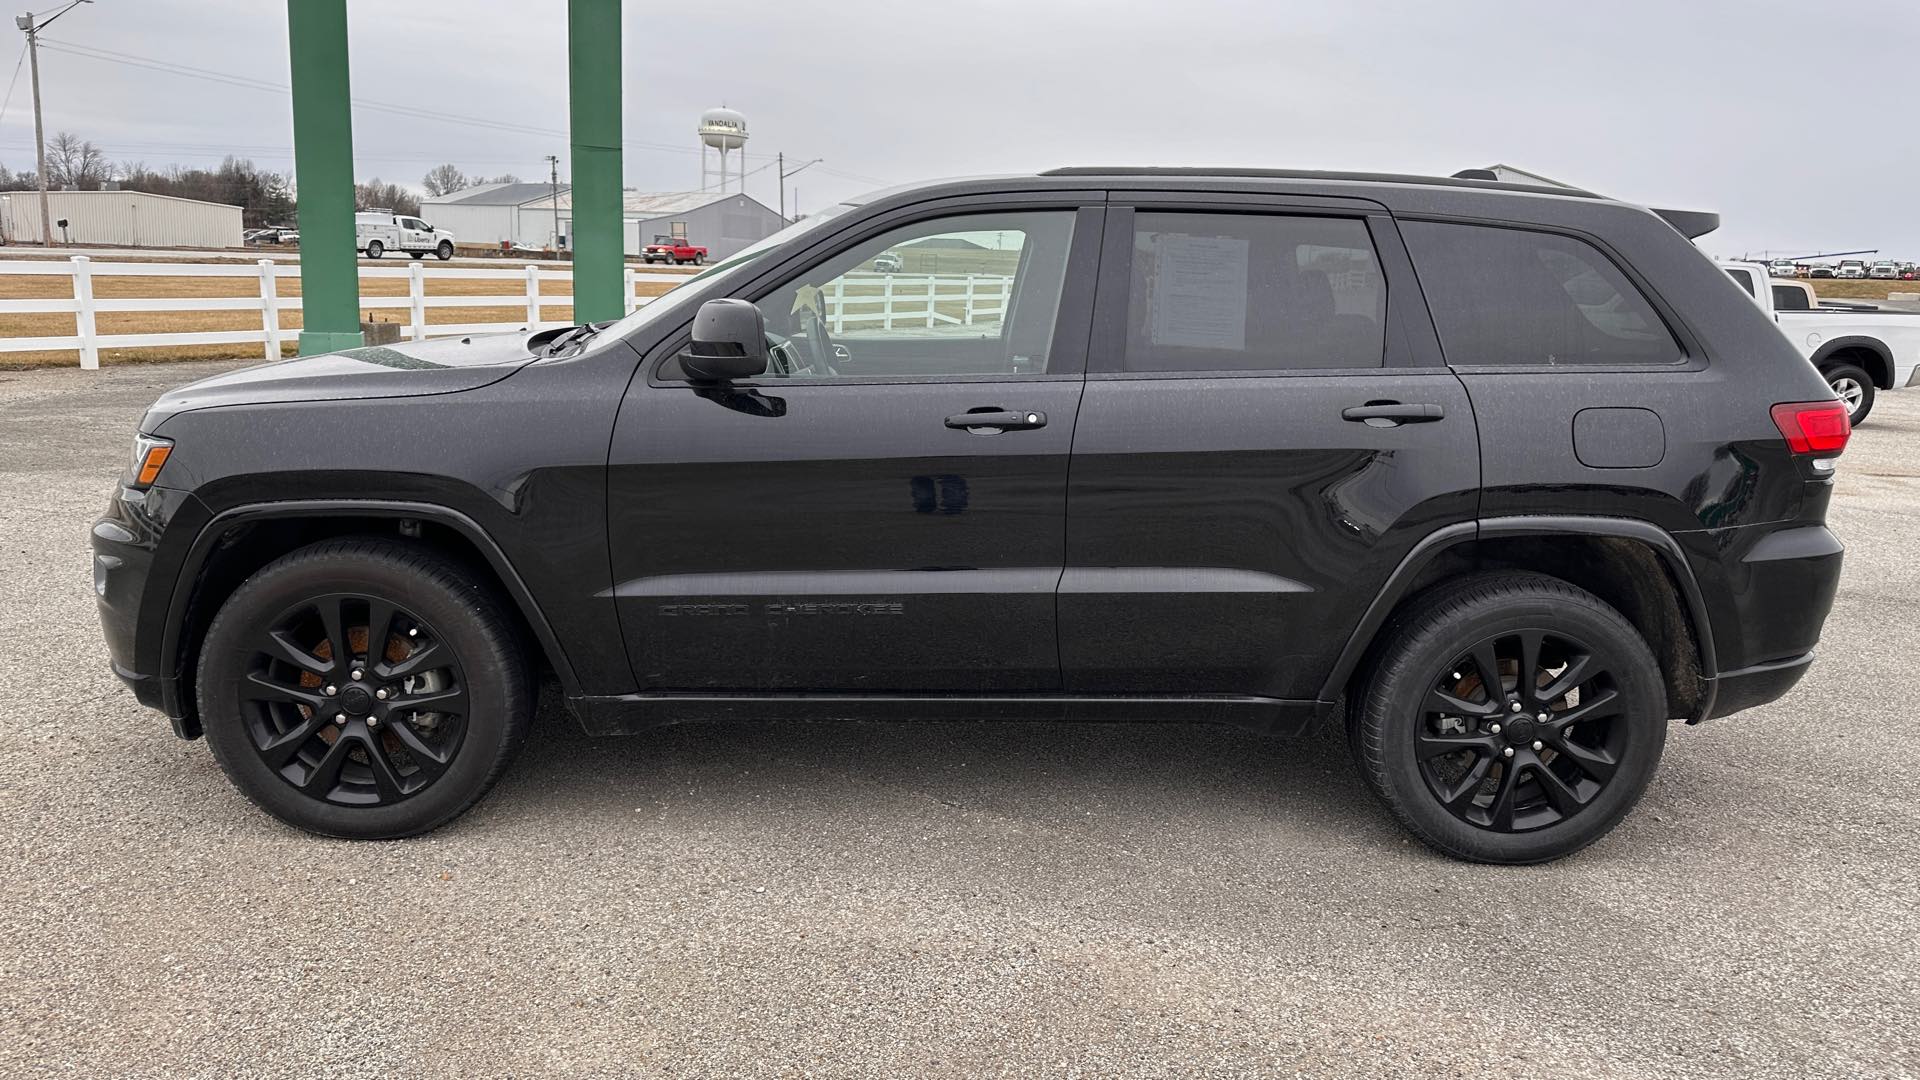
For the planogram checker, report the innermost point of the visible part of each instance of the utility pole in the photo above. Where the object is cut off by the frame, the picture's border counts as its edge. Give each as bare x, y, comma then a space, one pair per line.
553, 185
781, 168
25, 22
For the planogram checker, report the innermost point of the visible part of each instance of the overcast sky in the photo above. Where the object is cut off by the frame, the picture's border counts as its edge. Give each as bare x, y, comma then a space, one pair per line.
1764, 111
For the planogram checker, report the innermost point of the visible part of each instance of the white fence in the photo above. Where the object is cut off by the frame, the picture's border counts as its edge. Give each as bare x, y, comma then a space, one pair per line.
517, 287
889, 301
854, 302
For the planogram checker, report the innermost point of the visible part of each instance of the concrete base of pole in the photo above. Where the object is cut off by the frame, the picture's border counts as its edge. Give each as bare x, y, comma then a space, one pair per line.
314, 342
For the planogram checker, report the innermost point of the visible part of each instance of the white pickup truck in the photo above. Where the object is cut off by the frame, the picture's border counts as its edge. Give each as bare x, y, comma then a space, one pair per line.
1859, 348
378, 231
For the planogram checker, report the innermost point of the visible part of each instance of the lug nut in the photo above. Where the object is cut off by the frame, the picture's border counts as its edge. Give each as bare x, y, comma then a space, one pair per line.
373, 721
381, 693
330, 690
357, 673
340, 718
413, 631
1493, 729
1508, 751
1516, 705
1538, 745
1543, 718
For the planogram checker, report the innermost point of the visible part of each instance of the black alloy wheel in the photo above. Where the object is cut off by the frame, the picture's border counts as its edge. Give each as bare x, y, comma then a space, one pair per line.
1509, 717
1522, 730
345, 722
364, 687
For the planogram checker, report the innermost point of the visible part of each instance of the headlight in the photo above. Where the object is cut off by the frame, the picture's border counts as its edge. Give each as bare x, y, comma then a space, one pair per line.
149, 454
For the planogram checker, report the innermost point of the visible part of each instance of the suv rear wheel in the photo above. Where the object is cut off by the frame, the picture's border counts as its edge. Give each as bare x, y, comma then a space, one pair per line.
364, 689
1510, 718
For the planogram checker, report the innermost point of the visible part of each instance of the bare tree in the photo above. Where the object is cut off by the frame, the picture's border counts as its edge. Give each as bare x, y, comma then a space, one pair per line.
503, 178
444, 180
73, 162
371, 193
264, 198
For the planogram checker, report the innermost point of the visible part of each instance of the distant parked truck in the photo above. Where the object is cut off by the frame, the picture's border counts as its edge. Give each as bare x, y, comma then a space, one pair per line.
1858, 349
1887, 270
673, 249
1852, 268
380, 230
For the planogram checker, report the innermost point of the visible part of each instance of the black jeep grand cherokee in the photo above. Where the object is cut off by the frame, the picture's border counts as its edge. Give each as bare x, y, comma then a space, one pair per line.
1502, 478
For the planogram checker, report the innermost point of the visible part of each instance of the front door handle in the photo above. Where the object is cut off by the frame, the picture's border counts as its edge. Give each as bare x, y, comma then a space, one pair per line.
995, 421
1391, 414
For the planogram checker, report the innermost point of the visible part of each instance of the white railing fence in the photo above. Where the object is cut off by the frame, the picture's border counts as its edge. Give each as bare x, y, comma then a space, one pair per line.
518, 287
854, 302
874, 301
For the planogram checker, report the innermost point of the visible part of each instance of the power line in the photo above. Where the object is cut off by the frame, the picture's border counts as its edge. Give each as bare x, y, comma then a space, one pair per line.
167, 67
15, 82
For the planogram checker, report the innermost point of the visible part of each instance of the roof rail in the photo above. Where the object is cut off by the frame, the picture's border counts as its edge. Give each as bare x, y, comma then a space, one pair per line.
1318, 174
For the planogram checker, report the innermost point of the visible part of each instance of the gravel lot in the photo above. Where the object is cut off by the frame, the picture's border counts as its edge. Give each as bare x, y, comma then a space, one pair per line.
940, 899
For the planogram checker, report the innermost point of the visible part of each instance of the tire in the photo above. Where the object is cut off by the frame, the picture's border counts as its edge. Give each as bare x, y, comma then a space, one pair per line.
260, 697
698, 259
444, 251
1853, 386
416, 254
375, 249
1418, 764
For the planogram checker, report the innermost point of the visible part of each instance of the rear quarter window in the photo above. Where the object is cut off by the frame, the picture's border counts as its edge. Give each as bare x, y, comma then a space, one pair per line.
1505, 297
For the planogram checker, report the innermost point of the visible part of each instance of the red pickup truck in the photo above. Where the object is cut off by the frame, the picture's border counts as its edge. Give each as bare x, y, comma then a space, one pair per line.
673, 249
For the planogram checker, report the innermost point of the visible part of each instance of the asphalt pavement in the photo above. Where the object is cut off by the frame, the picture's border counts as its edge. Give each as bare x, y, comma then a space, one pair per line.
940, 899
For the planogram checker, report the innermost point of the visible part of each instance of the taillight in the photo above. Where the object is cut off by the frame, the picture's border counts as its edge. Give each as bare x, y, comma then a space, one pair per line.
1813, 427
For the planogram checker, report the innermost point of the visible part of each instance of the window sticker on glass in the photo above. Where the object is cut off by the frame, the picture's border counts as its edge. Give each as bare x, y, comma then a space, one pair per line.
1199, 291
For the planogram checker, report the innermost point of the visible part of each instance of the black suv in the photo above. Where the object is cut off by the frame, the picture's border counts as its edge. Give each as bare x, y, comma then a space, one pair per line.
1502, 478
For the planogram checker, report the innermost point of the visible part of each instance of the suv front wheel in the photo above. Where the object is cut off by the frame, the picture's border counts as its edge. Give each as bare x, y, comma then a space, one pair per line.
1510, 718
363, 688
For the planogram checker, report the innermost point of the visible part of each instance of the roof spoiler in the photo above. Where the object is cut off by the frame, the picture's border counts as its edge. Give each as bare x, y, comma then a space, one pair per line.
1692, 224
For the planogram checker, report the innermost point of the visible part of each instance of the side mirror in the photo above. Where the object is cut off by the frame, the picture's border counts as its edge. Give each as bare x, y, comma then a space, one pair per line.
729, 342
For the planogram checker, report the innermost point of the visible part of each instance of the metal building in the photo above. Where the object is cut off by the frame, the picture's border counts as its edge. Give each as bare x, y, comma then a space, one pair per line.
120, 219
722, 223
489, 214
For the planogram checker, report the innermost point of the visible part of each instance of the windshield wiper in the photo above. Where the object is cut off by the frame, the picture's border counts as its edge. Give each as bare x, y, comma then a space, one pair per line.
574, 335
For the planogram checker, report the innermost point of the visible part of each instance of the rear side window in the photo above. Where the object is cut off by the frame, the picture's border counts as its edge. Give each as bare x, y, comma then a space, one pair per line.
1517, 297
1790, 298
1247, 292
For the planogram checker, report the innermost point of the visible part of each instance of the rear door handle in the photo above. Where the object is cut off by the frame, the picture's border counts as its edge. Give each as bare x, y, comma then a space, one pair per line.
1391, 414
995, 421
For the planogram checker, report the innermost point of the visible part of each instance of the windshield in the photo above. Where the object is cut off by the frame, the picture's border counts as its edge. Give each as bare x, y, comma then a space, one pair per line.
675, 298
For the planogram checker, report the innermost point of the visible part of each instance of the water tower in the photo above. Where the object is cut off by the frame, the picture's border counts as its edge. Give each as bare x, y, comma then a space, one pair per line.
723, 130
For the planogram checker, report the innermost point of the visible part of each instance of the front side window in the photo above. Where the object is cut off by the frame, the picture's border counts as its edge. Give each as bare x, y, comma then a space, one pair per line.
965, 295
1247, 292
1515, 297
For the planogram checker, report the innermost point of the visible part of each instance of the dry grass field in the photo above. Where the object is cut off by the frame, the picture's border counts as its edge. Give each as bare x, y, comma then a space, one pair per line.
1859, 289
556, 297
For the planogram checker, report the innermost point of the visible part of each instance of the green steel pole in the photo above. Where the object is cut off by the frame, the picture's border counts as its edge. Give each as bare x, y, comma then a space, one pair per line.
323, 173
599, 230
